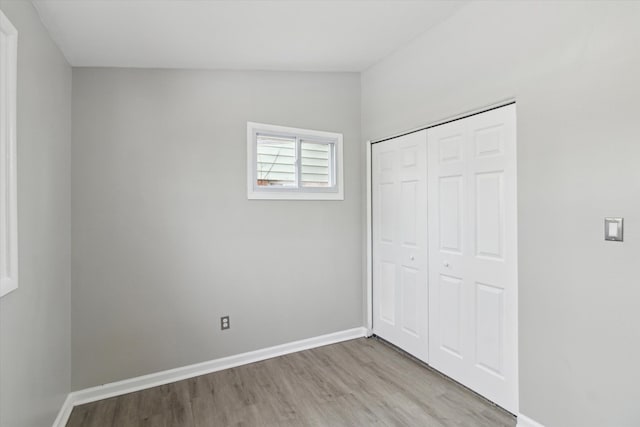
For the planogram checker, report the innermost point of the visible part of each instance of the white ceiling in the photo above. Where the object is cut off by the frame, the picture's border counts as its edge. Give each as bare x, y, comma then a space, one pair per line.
300, 35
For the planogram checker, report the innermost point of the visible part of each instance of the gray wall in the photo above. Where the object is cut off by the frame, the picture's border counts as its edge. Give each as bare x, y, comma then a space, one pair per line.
34, 319
574, 69
164, 238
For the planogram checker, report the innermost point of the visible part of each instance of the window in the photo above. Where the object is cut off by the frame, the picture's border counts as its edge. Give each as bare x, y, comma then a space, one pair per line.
293, 164
8, 199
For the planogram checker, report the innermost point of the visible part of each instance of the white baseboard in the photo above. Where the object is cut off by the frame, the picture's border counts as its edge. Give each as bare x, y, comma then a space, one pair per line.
165, 377
65, 412
524, 421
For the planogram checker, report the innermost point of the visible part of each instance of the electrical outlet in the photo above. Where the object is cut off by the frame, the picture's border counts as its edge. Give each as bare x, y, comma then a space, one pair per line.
224, 323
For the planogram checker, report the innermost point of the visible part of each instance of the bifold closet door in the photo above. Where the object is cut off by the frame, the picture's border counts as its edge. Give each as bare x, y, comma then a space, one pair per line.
473, 253
399, 212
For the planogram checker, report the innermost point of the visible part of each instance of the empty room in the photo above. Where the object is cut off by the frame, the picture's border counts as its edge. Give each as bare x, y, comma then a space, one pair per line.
319, 213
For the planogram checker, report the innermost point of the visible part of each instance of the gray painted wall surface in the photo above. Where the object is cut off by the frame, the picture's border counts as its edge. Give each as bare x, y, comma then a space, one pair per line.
574, 68
164, 238
34, 319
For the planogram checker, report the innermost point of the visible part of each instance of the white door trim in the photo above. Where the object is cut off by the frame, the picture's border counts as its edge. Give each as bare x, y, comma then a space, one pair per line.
369, 323
464, 115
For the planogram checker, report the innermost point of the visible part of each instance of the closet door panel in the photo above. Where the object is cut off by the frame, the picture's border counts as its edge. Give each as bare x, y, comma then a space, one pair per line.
473, 253
399, 212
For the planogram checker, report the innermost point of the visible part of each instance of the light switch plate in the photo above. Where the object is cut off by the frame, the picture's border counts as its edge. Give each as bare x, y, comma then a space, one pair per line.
613, 229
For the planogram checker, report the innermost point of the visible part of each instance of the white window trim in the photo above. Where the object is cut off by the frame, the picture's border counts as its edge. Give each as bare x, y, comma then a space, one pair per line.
8, 183
255, 193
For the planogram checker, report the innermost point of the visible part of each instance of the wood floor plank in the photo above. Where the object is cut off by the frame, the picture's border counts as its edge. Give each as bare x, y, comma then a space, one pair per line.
96, 414
127, 410
79, 415
362, 382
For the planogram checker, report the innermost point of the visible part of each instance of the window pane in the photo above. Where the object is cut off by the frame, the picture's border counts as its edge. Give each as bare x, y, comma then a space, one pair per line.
316, 164
276, 161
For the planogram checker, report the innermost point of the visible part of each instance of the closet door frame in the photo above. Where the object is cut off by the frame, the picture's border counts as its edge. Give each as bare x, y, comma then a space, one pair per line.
369, 216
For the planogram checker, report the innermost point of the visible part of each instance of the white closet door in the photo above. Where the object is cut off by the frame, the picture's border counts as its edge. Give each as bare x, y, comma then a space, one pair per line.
399, 190
473, 253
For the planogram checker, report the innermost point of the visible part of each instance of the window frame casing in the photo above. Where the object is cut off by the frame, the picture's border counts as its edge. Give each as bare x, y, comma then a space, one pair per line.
8, 157
256, 192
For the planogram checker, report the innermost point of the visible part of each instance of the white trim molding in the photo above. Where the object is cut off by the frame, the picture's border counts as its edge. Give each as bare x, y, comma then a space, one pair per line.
8, 158
172, 375
65, 412
524, 421
369, 222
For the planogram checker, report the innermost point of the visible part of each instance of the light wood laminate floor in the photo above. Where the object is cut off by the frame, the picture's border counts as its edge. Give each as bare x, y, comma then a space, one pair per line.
362, 382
